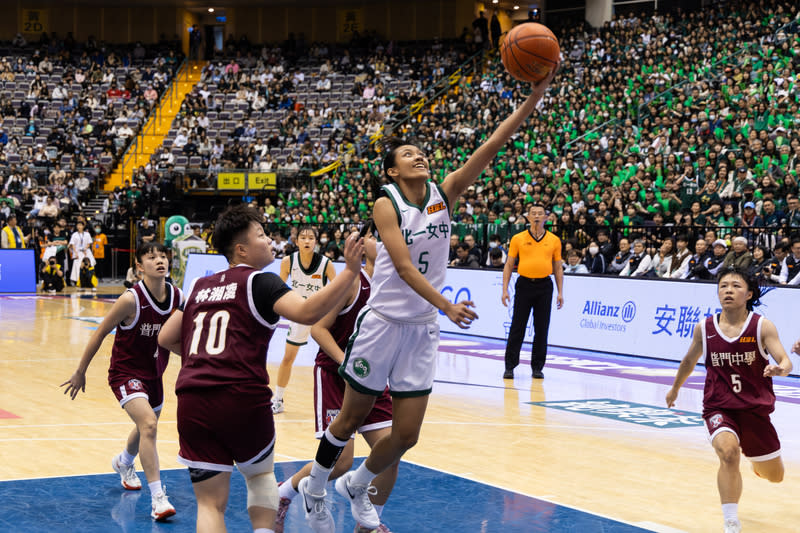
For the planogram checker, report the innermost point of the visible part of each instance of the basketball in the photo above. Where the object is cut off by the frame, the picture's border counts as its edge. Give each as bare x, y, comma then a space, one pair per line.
529, 52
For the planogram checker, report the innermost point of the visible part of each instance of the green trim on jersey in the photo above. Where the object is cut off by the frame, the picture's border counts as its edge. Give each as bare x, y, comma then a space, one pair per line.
325, 272
410, 394
412, 204
396, 209
343, 367
444, 197
358, 386
316, 259
296, 343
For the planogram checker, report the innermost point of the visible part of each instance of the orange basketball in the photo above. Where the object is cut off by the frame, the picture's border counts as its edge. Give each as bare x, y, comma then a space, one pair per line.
530, 51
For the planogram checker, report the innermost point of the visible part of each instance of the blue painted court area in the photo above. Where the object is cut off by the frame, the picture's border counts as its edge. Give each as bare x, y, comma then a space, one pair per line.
423, 500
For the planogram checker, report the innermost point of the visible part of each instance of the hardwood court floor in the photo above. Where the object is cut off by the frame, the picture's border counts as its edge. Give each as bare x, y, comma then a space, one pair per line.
478, 426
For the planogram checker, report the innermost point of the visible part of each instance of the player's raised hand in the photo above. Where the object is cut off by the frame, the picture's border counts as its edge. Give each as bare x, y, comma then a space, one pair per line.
74, 384
353, 250
541, 86
796, 347
460, 314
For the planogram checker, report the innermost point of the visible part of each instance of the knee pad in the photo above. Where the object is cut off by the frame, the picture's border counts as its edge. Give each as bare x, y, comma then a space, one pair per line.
262, 491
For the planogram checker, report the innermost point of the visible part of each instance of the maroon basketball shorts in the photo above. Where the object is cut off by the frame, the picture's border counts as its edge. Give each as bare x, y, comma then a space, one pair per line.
127, 388
756, 434
328, 395
221, 425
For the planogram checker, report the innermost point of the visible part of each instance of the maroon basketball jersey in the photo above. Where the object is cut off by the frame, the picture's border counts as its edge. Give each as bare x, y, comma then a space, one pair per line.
136, 350
735, 367
224, 338
345, 323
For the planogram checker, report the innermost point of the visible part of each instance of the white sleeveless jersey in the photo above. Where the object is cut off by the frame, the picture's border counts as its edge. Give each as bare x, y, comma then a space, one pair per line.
426, 229
307, 282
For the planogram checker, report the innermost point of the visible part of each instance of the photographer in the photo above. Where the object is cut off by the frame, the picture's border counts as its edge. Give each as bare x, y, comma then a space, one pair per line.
52, 277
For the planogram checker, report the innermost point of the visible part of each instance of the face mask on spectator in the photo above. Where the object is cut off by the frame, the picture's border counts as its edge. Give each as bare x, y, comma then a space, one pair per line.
492, 245
323, 240
593, 250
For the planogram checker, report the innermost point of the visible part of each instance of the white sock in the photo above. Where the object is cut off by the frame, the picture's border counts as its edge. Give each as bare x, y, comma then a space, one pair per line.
155, 488
362, 476
278, 396
378, 509
263, 530
730, 511
286, 490
317, 479
126, 458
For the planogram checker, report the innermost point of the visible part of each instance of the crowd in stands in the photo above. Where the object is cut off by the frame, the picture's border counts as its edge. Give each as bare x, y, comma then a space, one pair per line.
68, 111
609, 155
662, 141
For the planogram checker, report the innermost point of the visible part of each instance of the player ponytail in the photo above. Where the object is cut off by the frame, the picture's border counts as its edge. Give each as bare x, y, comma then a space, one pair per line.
390, 146
751, 281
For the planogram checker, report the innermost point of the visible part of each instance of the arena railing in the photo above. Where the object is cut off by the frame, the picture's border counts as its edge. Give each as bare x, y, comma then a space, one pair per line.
155, 114
715, 70
644, 110
651, 234
444, 84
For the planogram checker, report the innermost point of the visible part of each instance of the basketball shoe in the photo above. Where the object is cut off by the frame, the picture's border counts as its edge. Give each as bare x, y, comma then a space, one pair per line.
318, 515
277, 406
161, 508
358, 495
733, 526
127, 474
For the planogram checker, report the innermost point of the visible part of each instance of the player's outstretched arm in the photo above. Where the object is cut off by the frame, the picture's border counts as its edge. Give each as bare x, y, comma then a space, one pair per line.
170, 335
457, 182
386, 221
687, 364
321, 331
123, 310
292, 306
772, 342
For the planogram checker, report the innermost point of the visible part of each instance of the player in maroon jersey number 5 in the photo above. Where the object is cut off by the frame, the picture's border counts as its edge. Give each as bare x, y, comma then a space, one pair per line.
738, 396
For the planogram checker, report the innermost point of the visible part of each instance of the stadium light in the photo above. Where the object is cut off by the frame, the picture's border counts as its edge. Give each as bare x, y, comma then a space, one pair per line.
210, 9
516, 7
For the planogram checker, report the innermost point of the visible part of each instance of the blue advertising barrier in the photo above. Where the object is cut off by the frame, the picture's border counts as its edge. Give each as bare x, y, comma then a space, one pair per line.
633, 316
17, 270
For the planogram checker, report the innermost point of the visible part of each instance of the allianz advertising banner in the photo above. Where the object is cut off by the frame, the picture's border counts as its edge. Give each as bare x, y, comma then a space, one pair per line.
17, 270
641, 317
644, 317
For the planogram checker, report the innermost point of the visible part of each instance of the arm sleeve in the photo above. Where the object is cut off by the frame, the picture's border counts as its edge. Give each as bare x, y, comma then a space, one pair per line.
268, 289
556, 248
513, 247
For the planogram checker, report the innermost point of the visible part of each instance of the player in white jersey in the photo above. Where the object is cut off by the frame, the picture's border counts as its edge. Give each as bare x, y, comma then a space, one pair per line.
397, 335
309, 272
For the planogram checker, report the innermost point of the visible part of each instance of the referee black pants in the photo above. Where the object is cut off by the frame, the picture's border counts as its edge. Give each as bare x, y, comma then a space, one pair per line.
530, 294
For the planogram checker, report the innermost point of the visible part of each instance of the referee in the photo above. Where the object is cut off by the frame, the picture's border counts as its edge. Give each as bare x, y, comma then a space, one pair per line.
539, 254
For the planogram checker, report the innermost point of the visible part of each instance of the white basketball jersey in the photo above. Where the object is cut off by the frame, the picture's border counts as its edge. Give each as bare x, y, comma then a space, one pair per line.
426, 230
307, 282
